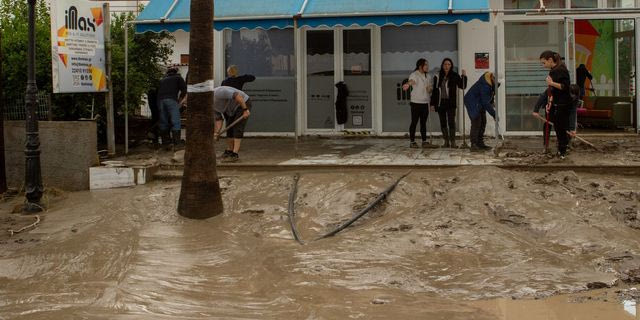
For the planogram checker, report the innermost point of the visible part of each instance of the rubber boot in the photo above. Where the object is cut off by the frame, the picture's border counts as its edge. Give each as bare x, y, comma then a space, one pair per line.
445, 137
177, 142
452, 137
166, 140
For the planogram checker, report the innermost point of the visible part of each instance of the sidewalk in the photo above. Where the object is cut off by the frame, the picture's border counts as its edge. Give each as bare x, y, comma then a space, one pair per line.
316, 152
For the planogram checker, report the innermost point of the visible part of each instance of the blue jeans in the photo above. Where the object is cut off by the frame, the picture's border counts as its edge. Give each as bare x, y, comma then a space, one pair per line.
169, 115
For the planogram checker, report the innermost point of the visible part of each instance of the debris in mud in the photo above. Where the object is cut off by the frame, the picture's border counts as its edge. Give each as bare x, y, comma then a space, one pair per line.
628, 294
453, 180
502, 215
402, 227
362, 200
563, 177
253, 212
518, 154
630, 216
380, 301
599, 285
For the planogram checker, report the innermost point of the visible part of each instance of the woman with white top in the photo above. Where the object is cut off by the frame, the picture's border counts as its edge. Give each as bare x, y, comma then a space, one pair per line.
420, 84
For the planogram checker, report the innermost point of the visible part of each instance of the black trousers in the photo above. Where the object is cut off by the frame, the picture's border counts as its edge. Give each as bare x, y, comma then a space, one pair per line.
447, 116
560, 115
478, 124
419, 111
546, 130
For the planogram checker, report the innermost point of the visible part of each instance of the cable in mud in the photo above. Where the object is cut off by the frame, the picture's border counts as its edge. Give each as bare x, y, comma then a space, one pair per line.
291, 211
383, 195
12, 232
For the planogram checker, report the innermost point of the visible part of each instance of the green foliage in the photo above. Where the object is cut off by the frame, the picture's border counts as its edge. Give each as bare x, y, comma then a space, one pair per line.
15, 29
147, 53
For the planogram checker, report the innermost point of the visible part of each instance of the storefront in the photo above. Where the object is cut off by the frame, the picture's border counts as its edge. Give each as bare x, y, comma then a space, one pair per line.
600, 36
298, 50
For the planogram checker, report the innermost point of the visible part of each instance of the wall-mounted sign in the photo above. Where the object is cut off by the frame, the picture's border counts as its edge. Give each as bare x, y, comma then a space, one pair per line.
77, 46
482, 60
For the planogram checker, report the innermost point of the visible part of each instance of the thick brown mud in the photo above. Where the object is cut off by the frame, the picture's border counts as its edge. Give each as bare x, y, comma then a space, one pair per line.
458, 243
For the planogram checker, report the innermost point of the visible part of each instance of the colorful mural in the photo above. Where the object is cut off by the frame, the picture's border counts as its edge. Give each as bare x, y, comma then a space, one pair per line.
595, 48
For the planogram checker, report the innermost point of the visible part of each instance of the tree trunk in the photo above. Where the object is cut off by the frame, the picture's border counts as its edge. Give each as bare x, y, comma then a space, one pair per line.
200, 192
3, 173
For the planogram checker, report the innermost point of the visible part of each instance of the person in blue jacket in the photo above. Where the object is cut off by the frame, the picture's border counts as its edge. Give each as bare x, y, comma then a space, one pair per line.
479, 100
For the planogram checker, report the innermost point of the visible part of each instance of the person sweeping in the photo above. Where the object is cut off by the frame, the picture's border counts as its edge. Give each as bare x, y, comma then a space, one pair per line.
479, 100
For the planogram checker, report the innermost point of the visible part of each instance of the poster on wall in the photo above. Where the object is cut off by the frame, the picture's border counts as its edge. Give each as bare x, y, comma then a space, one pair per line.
77, 46
482, 60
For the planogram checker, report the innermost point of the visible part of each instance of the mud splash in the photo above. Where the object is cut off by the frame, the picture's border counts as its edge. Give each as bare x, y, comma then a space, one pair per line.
443, 243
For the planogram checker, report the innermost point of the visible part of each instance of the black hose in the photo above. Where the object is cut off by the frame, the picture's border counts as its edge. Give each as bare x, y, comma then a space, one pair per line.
292, 212
364, 211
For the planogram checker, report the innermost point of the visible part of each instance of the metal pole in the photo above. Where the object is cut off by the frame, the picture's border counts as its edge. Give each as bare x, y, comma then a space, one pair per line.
33, 177
126, 87
111, 137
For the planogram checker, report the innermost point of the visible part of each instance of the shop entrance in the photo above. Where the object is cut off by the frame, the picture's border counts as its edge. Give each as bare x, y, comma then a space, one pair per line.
601, 57
333, 56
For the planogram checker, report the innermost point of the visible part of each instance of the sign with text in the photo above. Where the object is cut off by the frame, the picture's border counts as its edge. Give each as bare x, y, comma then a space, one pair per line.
77, 46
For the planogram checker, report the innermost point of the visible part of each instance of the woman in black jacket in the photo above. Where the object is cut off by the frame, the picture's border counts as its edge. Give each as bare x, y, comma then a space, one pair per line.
444, 99
559, 83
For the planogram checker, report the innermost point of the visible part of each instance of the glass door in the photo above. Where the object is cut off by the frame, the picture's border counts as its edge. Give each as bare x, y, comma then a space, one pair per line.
320, 80
356, 65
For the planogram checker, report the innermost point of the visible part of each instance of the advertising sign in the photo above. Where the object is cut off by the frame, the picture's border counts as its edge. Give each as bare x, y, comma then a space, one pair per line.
77, 46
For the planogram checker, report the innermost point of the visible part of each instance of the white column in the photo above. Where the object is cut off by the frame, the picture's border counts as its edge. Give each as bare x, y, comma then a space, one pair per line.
301, 80
376, 62
219, 71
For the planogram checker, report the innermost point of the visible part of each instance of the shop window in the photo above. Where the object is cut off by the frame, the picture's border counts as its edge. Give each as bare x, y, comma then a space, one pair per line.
623, 3
269, 56
524, 75
584, 3
401, 48
534, 4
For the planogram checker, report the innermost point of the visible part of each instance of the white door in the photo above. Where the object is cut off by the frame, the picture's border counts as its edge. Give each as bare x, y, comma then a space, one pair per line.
334, 55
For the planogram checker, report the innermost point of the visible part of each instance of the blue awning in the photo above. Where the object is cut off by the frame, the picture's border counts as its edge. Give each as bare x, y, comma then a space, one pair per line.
172, 15
330, 13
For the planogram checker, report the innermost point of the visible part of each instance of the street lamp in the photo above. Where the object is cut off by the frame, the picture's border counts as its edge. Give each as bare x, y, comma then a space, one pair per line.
33, 178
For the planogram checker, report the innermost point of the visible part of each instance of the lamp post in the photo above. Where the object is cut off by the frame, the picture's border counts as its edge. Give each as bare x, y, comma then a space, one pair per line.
33, 178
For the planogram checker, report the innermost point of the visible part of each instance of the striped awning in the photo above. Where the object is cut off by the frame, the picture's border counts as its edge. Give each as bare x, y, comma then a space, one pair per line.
172, 15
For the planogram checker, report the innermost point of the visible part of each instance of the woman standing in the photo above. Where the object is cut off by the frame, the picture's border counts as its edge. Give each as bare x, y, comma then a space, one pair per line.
444, 99
559, 83
420, 95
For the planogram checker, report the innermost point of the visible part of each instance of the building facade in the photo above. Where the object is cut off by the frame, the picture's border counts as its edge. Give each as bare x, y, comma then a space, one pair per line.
297, 60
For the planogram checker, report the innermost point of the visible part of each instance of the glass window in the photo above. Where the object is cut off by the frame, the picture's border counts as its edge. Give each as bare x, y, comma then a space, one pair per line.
524, 75
401, 48
357, 77
320, 77
584, 3
533, 4
623, 3
269, 56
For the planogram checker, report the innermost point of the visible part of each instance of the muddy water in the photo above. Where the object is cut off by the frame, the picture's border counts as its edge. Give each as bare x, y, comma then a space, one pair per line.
447, 244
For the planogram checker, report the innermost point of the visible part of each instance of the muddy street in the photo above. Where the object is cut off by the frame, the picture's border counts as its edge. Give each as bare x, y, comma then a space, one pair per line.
455, 243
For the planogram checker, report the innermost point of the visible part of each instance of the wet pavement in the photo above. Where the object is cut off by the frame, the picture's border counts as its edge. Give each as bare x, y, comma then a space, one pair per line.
315, 152
474, 242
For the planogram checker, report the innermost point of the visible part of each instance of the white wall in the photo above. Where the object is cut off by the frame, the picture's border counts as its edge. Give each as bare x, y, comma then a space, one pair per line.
475, 37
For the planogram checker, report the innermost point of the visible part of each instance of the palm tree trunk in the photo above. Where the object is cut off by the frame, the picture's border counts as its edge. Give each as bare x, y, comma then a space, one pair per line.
200, 192
3, 173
